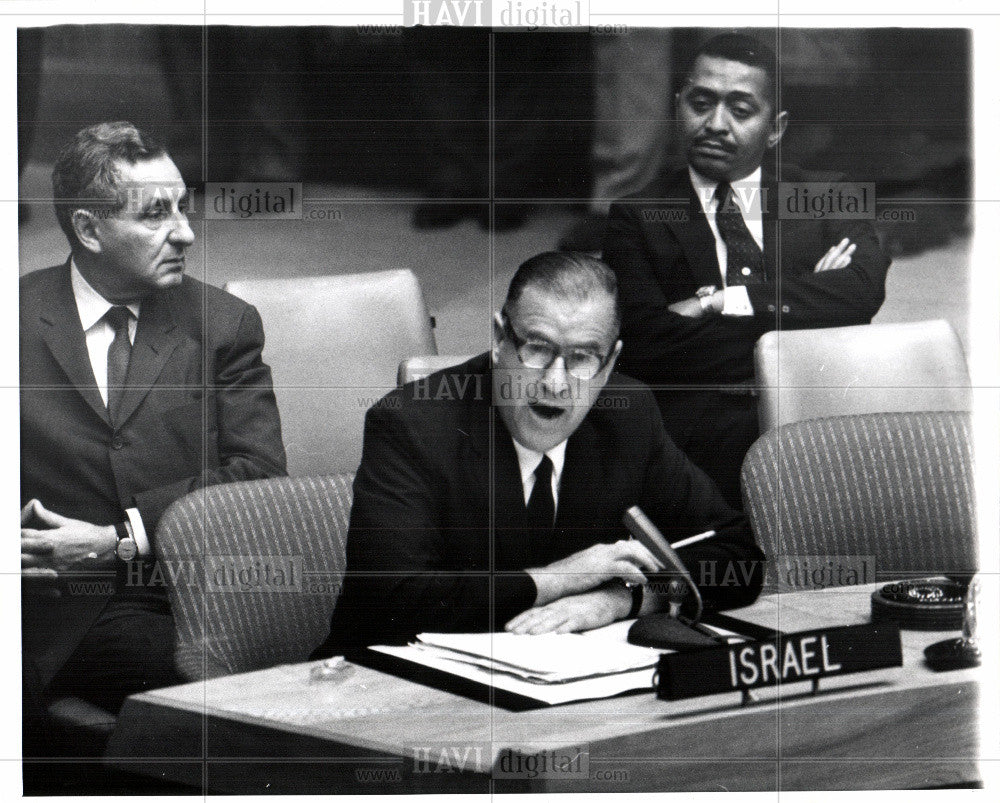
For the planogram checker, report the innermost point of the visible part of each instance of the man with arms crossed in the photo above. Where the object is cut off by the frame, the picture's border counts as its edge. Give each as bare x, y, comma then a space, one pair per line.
491, 494
138, 385
706, 265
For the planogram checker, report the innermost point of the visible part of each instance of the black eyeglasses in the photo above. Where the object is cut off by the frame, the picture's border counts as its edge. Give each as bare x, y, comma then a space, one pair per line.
540, 354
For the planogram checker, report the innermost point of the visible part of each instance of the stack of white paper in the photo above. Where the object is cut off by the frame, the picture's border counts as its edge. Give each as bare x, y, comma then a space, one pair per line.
546, 658
550, 668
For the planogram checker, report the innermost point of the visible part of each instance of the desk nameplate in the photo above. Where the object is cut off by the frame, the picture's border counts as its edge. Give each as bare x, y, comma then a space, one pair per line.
806, 655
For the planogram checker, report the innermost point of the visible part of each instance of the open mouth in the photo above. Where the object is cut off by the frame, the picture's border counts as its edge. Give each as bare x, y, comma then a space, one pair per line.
546, 411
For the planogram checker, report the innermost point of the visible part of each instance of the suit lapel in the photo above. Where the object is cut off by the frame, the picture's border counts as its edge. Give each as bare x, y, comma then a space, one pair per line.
476, 428
697, 241
508, 491
769, 187
494, 483
155, 341
63, 334
579, 488
694, 235
493, 459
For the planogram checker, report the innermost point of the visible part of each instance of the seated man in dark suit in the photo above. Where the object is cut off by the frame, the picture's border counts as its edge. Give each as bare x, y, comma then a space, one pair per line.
490, 495
138, 385
706, 264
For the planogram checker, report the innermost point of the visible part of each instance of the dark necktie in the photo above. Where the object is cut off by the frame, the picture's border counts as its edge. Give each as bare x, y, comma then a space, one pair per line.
541, 505
118, 356
743, 255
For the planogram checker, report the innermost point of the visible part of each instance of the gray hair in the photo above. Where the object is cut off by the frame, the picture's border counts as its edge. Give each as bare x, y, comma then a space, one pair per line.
86, 174
574, 275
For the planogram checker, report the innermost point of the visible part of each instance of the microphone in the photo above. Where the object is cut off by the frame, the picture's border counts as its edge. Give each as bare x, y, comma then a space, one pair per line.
647, 534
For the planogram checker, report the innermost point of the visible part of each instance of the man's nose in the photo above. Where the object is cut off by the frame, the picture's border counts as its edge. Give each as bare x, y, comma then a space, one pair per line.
718, 119
556, 378
181, 232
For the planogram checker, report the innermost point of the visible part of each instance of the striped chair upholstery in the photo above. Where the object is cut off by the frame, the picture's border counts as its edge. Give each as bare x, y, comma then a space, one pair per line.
893, 487
253, 570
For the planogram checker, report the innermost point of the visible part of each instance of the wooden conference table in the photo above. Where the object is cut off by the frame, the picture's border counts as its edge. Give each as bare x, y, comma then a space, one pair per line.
365, 731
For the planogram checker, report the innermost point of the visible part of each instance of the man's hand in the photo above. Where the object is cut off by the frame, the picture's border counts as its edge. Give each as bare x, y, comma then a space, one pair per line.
837, 257
591, 567
578, 612
689, 308
64, 544
697, 307
28, 511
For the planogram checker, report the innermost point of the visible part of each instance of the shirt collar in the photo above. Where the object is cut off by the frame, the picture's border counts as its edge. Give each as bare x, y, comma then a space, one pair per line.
91, 305
528, 460
704, 188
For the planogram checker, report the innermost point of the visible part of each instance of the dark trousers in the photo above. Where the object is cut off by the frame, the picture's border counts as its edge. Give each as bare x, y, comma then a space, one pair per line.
715, 430
128, 649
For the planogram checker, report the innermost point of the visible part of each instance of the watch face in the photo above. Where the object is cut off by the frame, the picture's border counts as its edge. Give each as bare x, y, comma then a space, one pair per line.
127, 549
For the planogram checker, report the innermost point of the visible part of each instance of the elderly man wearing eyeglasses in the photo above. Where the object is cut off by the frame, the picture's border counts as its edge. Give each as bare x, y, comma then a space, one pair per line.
490, 495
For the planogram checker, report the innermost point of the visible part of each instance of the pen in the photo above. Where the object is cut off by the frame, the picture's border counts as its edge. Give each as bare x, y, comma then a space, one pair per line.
700, 628
694, 539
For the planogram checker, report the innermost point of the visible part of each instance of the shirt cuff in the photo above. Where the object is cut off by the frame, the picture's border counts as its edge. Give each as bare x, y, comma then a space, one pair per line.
736, 301
139, 533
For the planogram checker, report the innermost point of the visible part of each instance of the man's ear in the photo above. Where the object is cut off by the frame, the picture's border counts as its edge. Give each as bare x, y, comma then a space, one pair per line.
85, 227
497, 334
614, 357
780, 124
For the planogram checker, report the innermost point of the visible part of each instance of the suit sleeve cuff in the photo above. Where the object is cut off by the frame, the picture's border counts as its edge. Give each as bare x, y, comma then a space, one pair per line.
139, 533
512, 594
736, 301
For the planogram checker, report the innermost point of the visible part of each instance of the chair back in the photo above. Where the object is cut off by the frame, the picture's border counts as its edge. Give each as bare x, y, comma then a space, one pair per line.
413, 368
892, 489
334, 344
253, 571
887, 367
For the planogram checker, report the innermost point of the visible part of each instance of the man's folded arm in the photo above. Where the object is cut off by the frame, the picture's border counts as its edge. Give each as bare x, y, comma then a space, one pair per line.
249, 427
671, 348
844, 297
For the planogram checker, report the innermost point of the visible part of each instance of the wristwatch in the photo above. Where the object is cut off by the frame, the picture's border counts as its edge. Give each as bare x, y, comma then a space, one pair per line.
704, 295
127, 548
637, 591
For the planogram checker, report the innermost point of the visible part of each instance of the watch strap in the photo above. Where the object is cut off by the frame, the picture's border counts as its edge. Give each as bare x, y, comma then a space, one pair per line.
637, 596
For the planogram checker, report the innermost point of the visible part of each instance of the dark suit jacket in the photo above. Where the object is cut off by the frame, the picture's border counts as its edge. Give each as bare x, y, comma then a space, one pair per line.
661, 261
200, 406
437, 539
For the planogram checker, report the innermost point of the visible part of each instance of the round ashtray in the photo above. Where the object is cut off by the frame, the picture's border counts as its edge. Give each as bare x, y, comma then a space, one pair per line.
920, 604
953, 653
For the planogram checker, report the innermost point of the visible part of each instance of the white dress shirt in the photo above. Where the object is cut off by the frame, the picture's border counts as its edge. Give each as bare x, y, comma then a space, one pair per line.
747, 194
92, 307
528, 461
